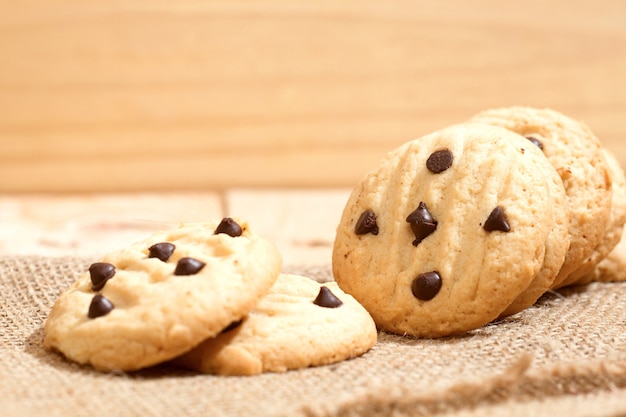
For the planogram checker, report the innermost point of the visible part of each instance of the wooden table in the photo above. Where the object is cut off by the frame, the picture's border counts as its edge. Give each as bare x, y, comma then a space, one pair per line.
204, 95
120, 117
300, 222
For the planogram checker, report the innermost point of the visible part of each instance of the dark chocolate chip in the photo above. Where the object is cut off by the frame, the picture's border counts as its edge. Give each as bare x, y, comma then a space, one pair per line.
161, 251
426, 286
422, 223
497, 221
229, 227
366, 223
188, 266
439, 161
325, 298
99, 306
535, 141
100, 273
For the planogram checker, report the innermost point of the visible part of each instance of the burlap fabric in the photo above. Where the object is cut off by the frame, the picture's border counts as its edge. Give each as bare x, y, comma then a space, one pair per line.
564, 356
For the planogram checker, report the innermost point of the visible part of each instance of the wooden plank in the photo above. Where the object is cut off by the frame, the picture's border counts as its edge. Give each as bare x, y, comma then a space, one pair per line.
147, 95
302, 223
91, 225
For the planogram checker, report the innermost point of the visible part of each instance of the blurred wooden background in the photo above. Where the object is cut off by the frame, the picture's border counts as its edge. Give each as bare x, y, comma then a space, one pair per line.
206, 95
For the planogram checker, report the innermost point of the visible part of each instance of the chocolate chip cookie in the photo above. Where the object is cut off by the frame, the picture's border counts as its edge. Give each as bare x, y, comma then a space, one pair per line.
451, 229
576, 153
613, 267
160, 297
588, 271
299, 323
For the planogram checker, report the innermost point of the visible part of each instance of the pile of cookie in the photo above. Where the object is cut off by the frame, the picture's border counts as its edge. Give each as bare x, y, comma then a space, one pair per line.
476, 221
450, 232
209, 297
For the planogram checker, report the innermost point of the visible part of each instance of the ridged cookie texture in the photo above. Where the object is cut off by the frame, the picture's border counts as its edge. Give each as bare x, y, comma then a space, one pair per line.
613, 267
162, 296
299, 323
450, 230
609, 270
577, 155
557, 245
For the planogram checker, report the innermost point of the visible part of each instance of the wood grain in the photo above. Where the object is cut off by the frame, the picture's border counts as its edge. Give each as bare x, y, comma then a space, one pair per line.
92, 225
155, 95
301, 223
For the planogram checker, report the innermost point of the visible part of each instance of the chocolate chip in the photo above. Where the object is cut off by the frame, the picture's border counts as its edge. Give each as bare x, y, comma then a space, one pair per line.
229, 227
325, 298
497, 221
100, 273
439, 161
99, 306
422, 223
426, 286
161, 251
366, 223
188, 266
535, 141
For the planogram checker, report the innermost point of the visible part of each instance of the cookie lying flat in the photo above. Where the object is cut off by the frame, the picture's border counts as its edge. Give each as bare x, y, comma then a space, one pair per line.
576, 154
299, 323
450, 230
160, 297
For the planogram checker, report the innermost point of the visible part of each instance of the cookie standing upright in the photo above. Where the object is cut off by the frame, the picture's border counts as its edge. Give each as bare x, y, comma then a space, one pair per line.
557, 245
298, 324
613, 267
594, 268
576, 153
450, 229
160, 297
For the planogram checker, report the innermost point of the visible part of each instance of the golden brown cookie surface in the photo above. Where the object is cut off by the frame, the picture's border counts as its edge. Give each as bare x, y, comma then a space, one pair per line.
450, 229
587, 273
613, 267
299, 323
576, 153
159, 297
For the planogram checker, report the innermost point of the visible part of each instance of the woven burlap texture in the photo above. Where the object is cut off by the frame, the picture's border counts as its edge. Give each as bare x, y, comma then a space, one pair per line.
564, 356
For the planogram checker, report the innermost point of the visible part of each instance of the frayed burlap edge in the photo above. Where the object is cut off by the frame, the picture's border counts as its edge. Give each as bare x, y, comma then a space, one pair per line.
585, 385
517, 383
